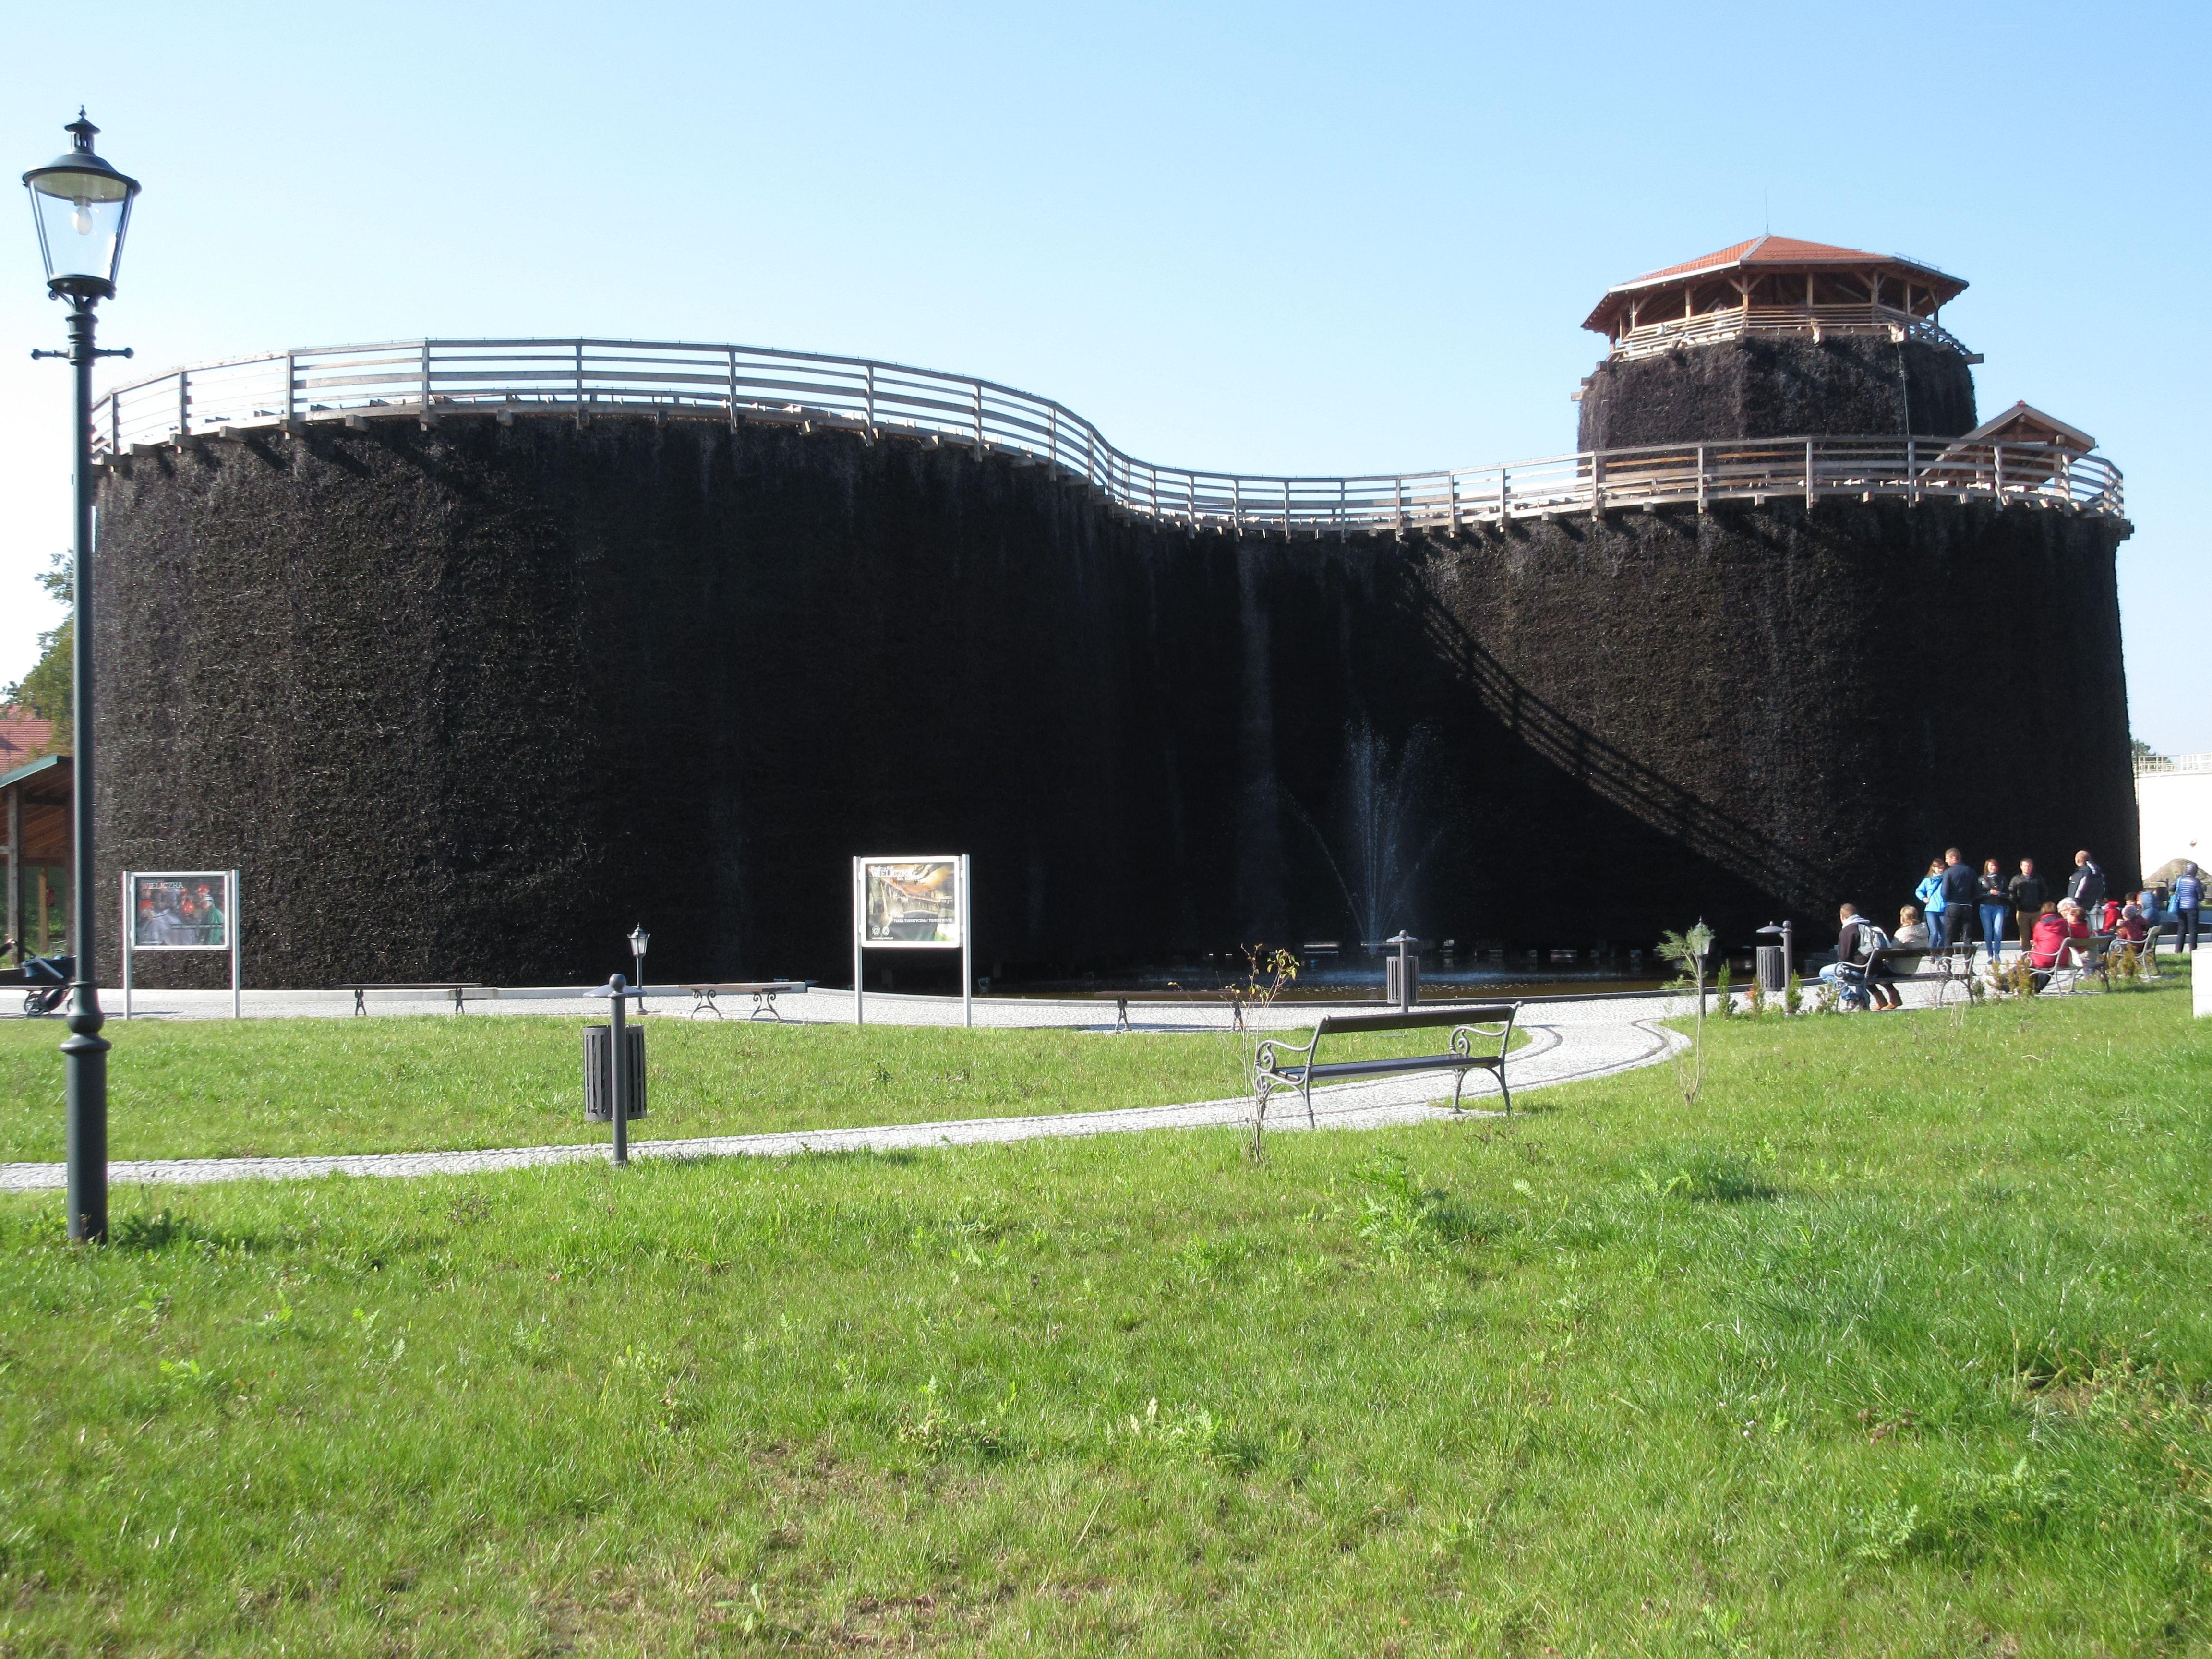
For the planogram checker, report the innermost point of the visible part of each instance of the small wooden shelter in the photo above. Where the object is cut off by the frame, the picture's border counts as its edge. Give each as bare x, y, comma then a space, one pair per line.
2022, 451
35, 817
1776, 284
2023, 423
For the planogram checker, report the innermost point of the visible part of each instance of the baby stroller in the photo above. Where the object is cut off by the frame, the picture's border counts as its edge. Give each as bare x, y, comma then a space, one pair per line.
47, 979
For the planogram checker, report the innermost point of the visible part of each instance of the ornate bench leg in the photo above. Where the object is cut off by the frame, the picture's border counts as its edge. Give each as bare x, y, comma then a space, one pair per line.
1306, 1088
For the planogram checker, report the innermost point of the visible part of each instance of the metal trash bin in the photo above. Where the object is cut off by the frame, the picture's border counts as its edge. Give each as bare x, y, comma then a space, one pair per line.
1402, 975
598, 1080
1773, 974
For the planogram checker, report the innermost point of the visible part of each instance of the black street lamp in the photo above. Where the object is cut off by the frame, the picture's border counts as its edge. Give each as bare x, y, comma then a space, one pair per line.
638, 940
81, 206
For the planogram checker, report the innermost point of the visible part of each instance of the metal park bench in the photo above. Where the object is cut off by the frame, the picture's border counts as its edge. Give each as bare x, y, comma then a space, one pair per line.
457, 988
1281, 1063
1121, 1000
2083, 958
764, 992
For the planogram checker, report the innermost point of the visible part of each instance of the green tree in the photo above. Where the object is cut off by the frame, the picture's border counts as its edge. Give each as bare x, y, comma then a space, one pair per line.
45, 690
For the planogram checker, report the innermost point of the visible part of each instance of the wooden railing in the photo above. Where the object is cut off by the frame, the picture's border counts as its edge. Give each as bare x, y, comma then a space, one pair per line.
431, 381
2155, 765
1650, 339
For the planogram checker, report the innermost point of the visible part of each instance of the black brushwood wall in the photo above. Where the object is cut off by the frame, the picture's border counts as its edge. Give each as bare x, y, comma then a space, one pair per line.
469, 702
1779, 386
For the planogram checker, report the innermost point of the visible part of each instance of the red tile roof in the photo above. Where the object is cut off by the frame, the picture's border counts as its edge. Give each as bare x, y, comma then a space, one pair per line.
23, 736
1777, 254
1769, 251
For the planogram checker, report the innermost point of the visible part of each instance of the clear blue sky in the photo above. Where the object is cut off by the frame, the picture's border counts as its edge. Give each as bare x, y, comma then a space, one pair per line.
1273, 238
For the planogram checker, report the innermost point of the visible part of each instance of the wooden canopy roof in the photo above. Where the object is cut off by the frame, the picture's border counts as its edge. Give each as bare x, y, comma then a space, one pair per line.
2023, 423
1765, 256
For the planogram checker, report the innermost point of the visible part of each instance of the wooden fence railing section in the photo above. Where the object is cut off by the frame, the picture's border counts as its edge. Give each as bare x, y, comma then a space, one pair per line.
429, 381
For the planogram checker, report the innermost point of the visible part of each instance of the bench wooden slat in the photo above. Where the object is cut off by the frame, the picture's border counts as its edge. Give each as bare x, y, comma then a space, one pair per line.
416, 985
1380, 1068
1480, 1013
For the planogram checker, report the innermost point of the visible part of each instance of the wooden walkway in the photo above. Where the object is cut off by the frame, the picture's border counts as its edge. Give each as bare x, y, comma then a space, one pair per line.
430, 381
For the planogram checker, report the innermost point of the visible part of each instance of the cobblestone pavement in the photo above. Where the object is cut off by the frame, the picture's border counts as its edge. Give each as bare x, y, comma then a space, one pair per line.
1570, 1042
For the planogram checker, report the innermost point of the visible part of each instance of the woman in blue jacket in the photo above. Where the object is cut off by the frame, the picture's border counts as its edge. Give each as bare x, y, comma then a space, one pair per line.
1930, 895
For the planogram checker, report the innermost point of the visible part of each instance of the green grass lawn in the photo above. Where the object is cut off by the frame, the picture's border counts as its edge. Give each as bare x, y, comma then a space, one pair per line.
262, 1088
1895, 1342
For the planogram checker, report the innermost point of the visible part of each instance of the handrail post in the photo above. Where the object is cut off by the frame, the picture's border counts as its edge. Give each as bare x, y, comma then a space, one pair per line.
1237, 504
870, 416
1451, 482
1398, 498
425, 392
1504, 494
291, 398
1152, 489
1340, 506
1286, 510
1597, 483
2065, 473
732, 410
1052, 438
580, 379
1997, 470
114, 426
1811, 490
976, 386
183, 402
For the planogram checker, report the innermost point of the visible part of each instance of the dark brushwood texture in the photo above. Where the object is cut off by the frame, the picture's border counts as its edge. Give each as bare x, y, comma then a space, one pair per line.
469, 702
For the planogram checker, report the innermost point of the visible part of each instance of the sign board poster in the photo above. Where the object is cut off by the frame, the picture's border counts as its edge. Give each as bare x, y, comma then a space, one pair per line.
188, 911
910, 904
181, 910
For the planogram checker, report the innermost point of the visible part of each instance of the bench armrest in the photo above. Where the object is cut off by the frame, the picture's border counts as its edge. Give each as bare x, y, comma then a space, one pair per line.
1267, 1059
1463, 1037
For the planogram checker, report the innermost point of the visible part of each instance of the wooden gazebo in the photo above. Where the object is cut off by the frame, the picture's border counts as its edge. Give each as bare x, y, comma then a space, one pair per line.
34, 818
1776, 284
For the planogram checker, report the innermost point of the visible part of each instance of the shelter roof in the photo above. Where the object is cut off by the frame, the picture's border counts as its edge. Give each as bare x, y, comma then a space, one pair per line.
2025, 423
25, 773
1776, 253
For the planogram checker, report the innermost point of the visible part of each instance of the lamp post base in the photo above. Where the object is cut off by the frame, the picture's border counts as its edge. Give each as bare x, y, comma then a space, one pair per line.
84, 1059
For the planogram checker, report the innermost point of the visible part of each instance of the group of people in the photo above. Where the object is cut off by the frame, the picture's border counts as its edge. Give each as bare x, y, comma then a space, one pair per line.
170, 913
2051, 927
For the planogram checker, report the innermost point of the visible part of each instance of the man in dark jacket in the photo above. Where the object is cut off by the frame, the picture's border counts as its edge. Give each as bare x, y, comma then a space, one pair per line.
1857, 945
2086, 888
1958, 897
2027, 895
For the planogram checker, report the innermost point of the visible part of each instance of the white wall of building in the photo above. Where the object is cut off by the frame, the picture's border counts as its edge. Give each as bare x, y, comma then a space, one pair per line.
2174, 805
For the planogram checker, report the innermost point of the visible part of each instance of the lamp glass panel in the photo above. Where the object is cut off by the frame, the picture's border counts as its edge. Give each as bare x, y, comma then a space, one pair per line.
81, 222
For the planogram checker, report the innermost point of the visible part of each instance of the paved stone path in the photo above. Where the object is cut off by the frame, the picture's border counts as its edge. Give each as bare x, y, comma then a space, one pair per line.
1570, 1042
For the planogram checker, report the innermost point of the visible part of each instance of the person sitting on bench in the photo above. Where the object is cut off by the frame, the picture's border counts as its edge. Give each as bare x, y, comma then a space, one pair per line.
2053, 945
1856, 946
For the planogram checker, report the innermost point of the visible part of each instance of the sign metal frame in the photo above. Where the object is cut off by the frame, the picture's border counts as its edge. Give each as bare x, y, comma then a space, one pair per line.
962, 911
130, 879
